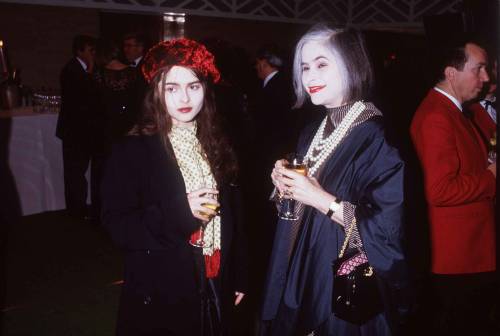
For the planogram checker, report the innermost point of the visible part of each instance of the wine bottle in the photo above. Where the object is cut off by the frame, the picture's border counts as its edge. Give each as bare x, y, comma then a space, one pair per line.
4, 70
10, 92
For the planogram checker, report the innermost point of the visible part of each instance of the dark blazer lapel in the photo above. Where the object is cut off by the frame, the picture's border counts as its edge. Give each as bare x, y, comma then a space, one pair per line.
77, 66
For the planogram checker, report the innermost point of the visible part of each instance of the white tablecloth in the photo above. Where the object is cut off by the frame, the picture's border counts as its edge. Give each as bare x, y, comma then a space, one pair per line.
35, 160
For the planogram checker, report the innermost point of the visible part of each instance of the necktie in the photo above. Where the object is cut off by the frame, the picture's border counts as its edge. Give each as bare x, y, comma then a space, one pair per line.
488, 103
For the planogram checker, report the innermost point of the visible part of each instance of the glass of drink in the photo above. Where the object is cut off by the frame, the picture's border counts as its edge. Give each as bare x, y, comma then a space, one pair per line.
298, 163
198, 239
492, 154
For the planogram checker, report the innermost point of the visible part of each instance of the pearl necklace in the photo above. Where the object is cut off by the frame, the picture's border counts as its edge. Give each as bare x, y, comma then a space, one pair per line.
325, 146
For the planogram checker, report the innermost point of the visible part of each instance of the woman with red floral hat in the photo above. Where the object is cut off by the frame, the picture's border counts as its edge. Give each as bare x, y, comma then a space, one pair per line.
160, 186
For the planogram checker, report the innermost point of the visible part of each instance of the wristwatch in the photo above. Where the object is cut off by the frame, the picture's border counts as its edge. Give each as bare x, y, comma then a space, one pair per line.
334, 207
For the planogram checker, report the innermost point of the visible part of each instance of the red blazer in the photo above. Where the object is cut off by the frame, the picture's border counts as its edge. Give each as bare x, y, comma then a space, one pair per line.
483, 121
459, 188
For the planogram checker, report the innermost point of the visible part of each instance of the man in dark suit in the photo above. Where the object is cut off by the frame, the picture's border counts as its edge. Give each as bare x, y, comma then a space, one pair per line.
134, 48
78, 127
276, 122
484, 112
134, 45
275, 135
460, 191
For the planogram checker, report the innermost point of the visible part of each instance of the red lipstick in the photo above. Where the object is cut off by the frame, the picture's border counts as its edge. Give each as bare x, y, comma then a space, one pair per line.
185, 109
314, 89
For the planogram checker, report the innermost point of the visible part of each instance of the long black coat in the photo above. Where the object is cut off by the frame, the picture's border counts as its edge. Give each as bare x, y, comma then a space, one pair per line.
146, 211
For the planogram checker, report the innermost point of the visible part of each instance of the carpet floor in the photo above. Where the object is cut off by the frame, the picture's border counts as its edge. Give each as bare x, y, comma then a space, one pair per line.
62, 278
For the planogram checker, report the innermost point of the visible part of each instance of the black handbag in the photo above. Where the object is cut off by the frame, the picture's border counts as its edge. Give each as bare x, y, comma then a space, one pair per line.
355, 296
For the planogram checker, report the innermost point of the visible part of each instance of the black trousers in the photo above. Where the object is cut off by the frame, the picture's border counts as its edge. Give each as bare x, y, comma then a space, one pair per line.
77, 157
464, 303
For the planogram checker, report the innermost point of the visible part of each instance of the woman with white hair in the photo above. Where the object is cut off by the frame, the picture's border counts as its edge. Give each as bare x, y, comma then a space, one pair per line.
349, 206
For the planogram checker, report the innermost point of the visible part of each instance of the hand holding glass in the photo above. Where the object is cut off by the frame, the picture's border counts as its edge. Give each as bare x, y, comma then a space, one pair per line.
297, 163
199, 241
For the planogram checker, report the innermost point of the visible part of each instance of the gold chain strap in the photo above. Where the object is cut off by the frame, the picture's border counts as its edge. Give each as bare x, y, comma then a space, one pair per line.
346, 240
369, 271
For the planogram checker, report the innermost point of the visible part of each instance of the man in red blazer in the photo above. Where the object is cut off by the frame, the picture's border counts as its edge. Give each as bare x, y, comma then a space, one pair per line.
460, 192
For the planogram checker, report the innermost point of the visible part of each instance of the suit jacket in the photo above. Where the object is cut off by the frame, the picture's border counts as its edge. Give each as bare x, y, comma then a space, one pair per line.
483, 122
79, 118
275, 119
459, 188
146, 211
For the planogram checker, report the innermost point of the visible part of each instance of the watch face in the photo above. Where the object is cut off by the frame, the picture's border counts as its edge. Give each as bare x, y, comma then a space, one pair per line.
335, 206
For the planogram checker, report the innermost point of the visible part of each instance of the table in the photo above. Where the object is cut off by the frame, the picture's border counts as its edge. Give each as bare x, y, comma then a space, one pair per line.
34, 156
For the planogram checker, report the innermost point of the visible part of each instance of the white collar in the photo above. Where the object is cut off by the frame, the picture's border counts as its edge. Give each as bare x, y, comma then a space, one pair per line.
136, 61
492, 112
268, 78
450, 97
84, 66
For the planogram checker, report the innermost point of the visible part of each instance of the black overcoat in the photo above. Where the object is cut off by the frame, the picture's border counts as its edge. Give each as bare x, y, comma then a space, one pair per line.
79, 117
146, 211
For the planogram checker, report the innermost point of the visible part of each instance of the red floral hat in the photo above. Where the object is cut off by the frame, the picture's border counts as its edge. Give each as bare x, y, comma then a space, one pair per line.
181, 52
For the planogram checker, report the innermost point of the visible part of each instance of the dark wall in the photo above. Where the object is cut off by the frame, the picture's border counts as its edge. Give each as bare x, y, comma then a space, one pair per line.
114, 26
38, 38
481, 17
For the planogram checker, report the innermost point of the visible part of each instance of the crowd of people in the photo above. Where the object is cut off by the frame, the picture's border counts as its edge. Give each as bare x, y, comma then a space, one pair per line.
175, 187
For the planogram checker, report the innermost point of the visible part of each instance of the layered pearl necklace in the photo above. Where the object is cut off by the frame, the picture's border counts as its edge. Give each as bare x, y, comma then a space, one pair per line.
325, 146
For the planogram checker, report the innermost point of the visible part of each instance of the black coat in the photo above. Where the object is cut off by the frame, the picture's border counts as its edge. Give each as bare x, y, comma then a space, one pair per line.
276, 122
79, 118
366, 171
146, 211
121, 93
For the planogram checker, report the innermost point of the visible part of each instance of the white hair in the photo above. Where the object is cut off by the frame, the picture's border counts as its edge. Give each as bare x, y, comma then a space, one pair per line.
324, 35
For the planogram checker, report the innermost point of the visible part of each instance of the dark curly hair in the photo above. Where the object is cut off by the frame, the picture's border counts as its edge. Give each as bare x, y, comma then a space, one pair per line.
156, 120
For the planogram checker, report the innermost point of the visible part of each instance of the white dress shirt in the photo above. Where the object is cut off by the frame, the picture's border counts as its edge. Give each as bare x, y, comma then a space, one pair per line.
492, 112
136, 61
84, 66
268, 78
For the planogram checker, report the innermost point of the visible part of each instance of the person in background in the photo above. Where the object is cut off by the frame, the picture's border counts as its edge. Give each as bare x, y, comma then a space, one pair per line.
484, 112
460, 188
134, 45
121, 91
354, 176
76, 126
161, 185
276, 122
276, 132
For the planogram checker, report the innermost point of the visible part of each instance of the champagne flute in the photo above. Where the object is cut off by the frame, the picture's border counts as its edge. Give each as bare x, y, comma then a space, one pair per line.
297, 163
199, 238
492, 154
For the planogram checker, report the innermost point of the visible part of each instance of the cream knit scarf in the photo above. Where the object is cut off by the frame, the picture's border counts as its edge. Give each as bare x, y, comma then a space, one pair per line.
197, 174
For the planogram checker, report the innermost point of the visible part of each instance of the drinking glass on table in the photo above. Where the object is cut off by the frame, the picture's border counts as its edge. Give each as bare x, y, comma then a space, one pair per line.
299, 164
198, 240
